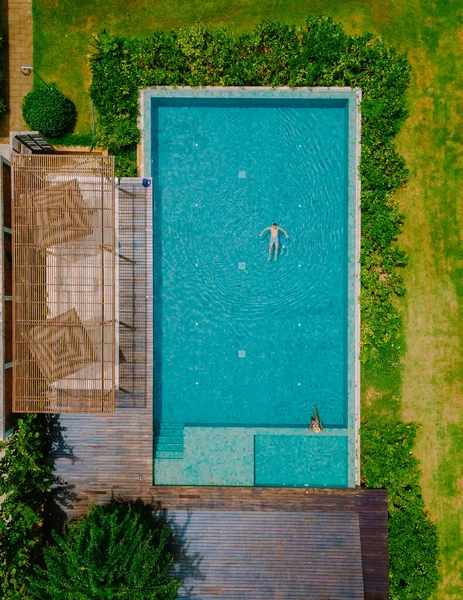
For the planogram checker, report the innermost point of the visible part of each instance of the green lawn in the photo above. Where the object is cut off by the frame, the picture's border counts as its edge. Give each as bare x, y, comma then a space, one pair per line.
431, 382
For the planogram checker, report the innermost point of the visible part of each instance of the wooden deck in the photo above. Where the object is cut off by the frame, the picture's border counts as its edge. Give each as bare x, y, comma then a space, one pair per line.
110, 456
267, 556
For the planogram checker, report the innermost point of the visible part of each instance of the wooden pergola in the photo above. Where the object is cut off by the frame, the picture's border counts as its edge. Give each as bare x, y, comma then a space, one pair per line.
64, 284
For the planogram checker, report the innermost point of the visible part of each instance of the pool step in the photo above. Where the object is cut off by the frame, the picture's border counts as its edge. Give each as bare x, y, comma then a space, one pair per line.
168, 440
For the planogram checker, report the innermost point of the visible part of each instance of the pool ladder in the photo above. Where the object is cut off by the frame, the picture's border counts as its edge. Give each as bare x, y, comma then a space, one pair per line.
168, 440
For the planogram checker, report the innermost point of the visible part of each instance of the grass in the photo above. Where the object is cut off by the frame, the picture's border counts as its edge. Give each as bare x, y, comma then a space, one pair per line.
432, 388
430, 380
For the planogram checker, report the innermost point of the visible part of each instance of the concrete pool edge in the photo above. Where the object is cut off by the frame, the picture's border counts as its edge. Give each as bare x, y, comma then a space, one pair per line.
358, 230
145, 94
353, 97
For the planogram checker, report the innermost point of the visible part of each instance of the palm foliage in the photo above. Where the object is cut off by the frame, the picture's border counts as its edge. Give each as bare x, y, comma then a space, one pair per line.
110, 553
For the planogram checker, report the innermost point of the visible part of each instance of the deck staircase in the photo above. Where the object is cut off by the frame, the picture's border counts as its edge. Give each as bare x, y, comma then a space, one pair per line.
168, 440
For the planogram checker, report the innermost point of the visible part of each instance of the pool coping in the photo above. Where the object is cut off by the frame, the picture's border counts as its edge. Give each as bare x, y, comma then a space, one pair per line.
143, 157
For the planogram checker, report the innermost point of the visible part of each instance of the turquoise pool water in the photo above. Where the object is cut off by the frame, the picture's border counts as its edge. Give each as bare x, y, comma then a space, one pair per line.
241, 342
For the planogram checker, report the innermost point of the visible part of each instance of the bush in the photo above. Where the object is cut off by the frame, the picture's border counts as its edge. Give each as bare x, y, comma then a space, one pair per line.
112, 552
276, 54
49, 111
25, 485
413, 540
126, 163
2, 92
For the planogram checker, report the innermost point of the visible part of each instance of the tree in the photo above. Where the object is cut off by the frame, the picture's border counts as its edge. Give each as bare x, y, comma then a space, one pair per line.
112, 552
25, 484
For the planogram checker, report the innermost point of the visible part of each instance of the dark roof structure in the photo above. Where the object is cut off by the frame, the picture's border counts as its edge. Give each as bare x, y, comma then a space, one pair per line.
31, 142
278, 543
270, 555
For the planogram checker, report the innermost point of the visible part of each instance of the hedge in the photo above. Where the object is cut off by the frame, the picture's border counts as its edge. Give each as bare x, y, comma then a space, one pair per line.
318, 54
275, 54
388, 462
2, 77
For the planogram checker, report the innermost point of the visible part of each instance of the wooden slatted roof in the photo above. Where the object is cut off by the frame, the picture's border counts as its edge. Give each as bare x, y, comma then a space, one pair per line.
64, 276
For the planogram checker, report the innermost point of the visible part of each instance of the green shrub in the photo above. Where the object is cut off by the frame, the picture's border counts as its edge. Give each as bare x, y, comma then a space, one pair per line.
277, 54
2, 92
387, 462
126, 163
112, 552
46, 109
25, 485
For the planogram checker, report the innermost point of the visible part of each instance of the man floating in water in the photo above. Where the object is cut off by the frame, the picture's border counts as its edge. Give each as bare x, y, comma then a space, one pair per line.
274, 242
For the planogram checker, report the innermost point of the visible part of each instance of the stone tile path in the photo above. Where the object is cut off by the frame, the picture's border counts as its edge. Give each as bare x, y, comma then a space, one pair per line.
18, 41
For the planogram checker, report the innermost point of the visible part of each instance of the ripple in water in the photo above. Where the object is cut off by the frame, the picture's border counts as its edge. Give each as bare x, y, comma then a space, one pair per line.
211, 220
222, 229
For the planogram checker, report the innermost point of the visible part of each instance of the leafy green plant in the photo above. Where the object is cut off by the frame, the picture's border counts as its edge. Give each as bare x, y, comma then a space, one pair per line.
46, 109
277, 54
126, 163
24, 487
2, 103
388, 463
112, 552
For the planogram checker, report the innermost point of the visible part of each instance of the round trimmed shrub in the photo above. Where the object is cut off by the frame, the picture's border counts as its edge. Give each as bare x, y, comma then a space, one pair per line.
49, 111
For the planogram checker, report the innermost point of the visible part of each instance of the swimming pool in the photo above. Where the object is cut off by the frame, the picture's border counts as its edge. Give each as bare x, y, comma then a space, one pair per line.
244, 346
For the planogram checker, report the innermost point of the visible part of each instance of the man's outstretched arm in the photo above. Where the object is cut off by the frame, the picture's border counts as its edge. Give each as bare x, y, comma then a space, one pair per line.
281, 229
266, 229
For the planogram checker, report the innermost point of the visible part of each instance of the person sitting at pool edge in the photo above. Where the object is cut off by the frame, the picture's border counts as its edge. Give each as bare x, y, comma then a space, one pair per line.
274, 229
315, 423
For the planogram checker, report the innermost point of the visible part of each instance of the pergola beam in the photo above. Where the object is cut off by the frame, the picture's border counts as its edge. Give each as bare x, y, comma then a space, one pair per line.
64, 297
